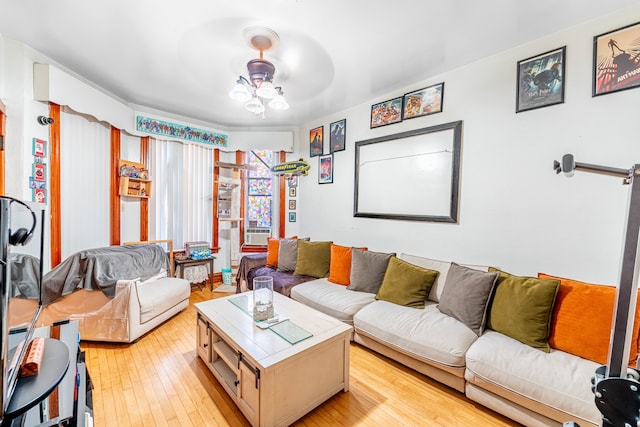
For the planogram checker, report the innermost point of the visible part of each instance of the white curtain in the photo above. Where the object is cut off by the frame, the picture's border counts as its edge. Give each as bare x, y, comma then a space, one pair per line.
130, 206
84, 182
198, 193
166, 219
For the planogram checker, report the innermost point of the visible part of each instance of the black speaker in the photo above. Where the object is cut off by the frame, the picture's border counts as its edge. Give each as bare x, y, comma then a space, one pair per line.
21, 236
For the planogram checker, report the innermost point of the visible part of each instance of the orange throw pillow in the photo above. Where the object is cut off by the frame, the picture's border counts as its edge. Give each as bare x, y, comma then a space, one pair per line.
340, 268
582, 320
273, 246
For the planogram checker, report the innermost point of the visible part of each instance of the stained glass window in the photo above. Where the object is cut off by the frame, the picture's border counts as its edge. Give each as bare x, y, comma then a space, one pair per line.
259, 190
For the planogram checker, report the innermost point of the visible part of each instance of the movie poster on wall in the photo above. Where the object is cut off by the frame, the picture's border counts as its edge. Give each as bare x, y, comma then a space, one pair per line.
616, 60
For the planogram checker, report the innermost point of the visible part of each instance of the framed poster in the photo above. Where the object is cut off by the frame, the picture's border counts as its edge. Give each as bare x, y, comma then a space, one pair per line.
421, 176
541, 80
39, 195
292, 217
386, 113
616, 63
325, 169
315, 141
39, 172
292, 205
39, 147
292, 191
337, 135
423, 102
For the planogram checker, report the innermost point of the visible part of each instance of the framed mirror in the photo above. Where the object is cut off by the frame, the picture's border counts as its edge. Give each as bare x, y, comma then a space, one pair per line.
412, 175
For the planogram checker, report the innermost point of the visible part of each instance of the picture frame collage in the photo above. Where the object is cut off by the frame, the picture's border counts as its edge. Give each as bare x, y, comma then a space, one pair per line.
418, 103
337, 142
541, 78
38, 178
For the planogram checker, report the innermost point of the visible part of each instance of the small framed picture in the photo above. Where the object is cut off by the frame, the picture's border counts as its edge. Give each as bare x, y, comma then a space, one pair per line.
423, 102
325, 169
293, 181
39, 172
386, 113
292, 205
39, 195
39, 147
337, 135
616, 65
292, 217
292, 191
541, 80
316, 143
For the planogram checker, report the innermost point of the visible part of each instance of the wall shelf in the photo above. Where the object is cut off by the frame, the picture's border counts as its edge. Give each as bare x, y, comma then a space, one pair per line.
133, 186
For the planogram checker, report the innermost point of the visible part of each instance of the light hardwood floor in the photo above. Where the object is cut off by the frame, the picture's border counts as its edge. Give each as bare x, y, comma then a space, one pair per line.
160, 381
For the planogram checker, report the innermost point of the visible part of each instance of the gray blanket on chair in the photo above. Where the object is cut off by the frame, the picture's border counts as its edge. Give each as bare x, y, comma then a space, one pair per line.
100, 269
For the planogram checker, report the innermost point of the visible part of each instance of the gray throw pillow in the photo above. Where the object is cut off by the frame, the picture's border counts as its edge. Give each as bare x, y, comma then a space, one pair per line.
367, 270
288, 254
466, 296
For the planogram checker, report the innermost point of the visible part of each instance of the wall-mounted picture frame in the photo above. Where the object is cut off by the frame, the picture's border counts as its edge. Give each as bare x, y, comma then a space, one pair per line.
337, 135
325, 169
616, 60
39, 195
541, 80
292, 205
39, 147
423, 102
427, 158
292, 217
386, 112
293, 181
316, 143
292, 191
39, 172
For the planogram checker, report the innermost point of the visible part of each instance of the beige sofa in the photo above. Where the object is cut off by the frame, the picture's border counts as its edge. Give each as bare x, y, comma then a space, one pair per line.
528, 385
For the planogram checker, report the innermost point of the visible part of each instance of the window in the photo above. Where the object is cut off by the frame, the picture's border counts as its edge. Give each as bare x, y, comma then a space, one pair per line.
259, 197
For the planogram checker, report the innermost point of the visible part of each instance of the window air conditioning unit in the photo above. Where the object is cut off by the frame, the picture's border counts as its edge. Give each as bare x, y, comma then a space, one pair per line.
257, 236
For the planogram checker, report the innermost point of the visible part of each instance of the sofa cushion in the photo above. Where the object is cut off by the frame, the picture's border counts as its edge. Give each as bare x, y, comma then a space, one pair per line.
288, 254
442, 267
521, 308
406, 284
313, 259
273, 246
367, 270
332, 299
427, 334
557, 379
466, 296
578, 328
160, 295
340, 268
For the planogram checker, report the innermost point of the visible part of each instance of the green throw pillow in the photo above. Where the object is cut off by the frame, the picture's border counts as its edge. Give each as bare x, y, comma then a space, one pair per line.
314, 259
406, 284
522, 308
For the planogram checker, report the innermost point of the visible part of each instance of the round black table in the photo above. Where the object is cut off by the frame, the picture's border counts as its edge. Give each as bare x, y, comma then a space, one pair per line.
31, 390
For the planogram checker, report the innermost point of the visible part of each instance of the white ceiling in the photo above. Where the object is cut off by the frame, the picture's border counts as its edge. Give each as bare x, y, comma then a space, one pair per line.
184, 56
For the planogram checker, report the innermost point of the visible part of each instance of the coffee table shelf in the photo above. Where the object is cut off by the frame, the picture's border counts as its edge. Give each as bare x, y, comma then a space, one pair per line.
272, 381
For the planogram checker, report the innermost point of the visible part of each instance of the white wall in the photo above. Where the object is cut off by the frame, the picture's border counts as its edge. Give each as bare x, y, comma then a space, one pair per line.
515, 213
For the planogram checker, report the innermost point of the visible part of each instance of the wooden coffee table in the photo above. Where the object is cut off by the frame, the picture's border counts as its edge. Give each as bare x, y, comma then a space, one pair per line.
272, 381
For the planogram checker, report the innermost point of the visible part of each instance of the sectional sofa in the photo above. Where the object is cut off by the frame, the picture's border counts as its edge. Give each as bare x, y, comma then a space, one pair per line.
525, 347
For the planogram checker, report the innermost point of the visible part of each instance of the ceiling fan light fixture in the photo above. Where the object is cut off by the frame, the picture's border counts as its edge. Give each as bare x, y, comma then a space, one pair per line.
240, 92
278, 102
254, 105
266, 89
261, 72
